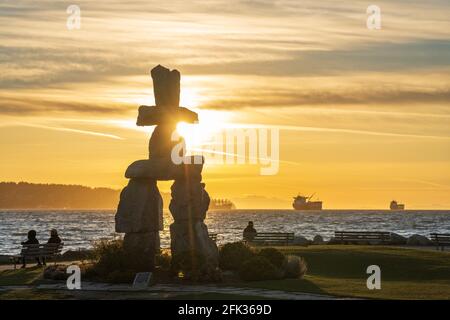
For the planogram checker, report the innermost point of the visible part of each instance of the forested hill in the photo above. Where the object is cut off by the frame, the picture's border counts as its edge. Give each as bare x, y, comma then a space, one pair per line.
25, 195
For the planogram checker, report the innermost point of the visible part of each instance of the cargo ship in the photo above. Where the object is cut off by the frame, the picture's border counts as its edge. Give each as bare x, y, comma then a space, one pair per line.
221, 204
397, 206
305, 203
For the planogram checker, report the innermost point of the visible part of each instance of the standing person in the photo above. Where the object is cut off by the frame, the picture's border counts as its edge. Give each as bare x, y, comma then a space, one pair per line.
249, 232
54, 238
31, 240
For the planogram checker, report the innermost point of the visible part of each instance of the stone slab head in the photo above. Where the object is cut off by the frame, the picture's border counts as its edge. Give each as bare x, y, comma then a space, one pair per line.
166, 86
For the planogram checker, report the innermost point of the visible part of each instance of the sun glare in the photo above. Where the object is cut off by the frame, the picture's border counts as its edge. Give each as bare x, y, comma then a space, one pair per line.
198, 135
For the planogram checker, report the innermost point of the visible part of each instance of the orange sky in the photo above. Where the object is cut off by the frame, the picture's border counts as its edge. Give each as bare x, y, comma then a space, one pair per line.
363, 114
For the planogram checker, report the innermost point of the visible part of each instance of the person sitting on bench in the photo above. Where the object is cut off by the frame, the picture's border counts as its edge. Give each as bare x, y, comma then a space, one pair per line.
54, 238
249, 232
31, 240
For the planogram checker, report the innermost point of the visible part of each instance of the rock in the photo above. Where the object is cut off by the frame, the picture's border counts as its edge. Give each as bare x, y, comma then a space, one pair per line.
418, 240
193, 251
318, 239
191, 247
154, 115
161, 169
166, 86
165, 143
398, 239
141, 248
302, 241
190, 201
140, 207
56, 272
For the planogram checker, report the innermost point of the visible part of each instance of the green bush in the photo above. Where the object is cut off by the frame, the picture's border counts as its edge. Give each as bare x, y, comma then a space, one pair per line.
295, 267
274, 256
113, 264
258, 268
110, 257
233, 255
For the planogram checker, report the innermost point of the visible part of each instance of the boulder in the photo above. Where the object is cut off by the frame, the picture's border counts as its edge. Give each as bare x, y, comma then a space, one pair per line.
318, 239
166, 86
56, 272
141, 248
155, 115
166, 144
301, 241
161, 169
192, 248
140, 207
418, 240
398, 239
190, 201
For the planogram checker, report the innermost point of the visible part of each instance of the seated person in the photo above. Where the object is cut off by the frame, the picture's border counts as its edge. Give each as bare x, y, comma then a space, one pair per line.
31, 240
54, 238
249, 232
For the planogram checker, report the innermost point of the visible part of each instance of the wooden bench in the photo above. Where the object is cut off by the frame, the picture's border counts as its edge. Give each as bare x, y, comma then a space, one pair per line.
440, 239
213, 236
33, 251
349, 237
272, 238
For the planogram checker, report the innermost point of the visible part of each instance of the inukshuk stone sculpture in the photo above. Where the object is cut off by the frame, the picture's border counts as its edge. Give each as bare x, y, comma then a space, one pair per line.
139, 214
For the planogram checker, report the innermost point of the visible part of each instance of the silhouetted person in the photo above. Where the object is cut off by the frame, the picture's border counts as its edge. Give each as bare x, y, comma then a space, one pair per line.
31, 240
249, 232
54, 238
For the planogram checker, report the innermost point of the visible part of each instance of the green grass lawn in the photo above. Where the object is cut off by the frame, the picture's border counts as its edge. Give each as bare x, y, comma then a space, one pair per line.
337, 270
28, 276
341, 270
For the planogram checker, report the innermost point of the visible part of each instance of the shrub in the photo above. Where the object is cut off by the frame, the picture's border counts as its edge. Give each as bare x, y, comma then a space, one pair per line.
258, 268
110, 256
274, 256
295, 267
233, 255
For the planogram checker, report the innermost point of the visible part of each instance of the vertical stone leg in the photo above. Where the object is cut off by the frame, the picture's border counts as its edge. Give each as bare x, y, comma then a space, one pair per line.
141, 248
193, 252
139, 216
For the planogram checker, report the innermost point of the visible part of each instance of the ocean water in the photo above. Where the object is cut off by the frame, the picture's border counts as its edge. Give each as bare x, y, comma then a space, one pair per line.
79, 229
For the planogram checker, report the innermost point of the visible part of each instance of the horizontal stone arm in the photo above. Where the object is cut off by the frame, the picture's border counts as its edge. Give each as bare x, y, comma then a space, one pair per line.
154, 115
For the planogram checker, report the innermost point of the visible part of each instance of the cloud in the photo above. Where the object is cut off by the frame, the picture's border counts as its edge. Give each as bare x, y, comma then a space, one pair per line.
22, 106
72, 130
384, 57
332, 97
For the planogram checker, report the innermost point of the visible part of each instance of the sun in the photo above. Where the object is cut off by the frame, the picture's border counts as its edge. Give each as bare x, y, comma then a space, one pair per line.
198, 135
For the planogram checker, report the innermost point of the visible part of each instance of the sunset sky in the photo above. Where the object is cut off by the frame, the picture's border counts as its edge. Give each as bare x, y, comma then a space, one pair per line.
363, 114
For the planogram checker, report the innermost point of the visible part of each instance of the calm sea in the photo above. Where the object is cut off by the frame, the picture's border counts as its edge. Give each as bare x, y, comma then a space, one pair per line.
79, 229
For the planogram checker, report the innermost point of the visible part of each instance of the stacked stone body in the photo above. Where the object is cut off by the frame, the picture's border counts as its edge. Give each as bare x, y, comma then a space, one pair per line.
139, 213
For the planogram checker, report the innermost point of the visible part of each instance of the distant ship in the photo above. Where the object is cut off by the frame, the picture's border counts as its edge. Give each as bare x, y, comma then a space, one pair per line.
305, 203
397, 206
221, 204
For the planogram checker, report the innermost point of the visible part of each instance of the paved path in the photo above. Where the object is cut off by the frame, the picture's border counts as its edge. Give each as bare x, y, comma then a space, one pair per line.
185, 289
